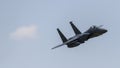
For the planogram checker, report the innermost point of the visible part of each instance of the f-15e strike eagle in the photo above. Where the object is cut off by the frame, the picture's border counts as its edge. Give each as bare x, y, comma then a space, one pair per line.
79, 37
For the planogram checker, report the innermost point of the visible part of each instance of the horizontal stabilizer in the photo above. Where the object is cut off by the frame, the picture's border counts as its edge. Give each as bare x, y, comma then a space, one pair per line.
75, 29
64, 39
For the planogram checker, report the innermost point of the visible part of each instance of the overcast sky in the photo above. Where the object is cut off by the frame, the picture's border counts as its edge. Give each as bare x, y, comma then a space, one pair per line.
28, 32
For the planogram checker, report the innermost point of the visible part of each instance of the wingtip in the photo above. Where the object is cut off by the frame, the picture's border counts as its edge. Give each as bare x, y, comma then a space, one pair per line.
52, 48
57, 28
70, 22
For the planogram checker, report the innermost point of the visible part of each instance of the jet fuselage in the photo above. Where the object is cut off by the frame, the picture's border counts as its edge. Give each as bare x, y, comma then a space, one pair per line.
80, 37
90, 33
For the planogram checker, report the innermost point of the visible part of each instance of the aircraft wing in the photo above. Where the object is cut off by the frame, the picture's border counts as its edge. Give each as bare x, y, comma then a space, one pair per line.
58, 46
76, 37
73, 39
65, 43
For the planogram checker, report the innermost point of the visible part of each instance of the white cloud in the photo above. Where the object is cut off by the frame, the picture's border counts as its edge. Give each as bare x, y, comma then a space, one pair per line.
24, 32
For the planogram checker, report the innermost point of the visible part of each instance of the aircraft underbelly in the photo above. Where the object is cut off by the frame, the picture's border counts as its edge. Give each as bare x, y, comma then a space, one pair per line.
73, 44
78, 41
94, 35
83, 38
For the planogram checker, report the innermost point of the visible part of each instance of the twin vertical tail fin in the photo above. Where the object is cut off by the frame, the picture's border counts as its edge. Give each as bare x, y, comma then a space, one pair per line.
75, 29
64, 39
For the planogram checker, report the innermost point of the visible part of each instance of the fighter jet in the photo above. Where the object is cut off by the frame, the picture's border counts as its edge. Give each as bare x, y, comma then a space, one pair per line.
79, 38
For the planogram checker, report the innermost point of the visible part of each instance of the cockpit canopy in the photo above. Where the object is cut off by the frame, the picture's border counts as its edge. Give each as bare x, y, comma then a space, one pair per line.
95, 28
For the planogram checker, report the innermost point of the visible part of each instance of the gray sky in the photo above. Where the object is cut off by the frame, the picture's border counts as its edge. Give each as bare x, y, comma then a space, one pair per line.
28, 32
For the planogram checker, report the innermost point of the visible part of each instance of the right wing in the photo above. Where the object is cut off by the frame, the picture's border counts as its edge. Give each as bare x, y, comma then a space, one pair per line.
73, 39
65, 43
58, 46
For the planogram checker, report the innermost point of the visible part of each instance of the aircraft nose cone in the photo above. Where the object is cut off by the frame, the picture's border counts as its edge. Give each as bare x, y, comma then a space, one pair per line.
104, 31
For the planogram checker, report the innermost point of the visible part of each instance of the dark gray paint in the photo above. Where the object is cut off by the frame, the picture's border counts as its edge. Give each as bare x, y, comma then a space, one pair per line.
79, 37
